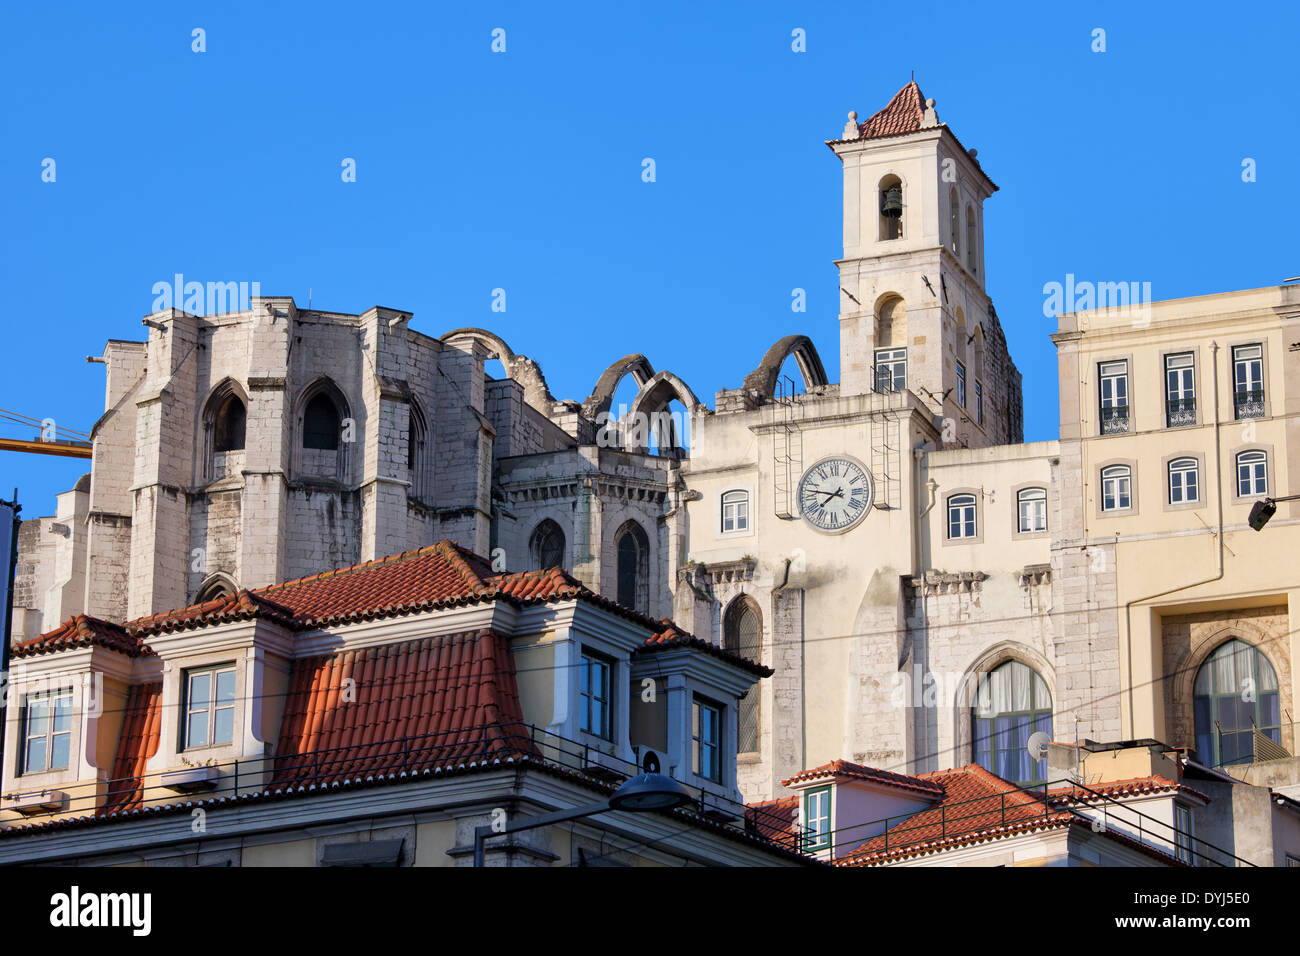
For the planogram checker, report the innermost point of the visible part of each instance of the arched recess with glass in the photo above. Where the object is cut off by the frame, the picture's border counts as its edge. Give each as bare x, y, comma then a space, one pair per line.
225, 422
546, 547
1235, 694
742, 633
632, 554
1011, 702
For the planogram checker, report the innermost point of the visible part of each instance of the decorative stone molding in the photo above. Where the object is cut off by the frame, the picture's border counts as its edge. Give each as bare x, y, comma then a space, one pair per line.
1035, 574
934, 583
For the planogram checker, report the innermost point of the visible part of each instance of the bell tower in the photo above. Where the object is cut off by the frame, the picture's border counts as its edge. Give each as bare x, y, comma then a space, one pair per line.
913, 311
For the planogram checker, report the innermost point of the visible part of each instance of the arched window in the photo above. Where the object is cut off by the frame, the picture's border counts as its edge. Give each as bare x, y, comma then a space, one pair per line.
743, 635
216, 587
546, 547
320, 424
1252, 473
1184, 486
961, 516
1235, 694
1116, 488
954, 226
1011, 703
891, 208
970, 238
632, 548
1032, 506
229, 425
735, 511
419, 472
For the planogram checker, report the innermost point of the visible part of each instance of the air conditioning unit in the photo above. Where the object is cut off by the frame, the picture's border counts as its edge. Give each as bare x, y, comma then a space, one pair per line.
650, 761
40, 801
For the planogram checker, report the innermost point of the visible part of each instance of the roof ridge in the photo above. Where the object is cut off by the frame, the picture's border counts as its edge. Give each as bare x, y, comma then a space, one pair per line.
456, 560
338, 572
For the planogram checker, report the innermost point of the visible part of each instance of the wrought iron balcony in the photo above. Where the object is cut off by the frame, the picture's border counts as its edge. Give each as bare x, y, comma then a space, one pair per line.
1179, 412
1249, 404
1114, 419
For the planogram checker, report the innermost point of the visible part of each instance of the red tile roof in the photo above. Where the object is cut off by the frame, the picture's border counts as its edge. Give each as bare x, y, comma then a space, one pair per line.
83, 631
1130, 787
441, 575
976, 805
903, 114
843, 768
776, 820
138, 741
425, 703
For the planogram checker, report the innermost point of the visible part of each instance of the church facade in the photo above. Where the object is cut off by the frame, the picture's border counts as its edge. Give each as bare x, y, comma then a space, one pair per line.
927, 588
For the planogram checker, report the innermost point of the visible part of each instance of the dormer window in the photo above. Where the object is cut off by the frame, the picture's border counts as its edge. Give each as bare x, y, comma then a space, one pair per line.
706, 734
209, 706
47, 731
593, 696
817, 818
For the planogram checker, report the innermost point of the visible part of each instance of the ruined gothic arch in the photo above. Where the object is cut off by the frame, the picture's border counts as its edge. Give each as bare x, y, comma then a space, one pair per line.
636, 365
967, 686
224, 425
651, 404
214, 586
519, 368
763, 379
331, 464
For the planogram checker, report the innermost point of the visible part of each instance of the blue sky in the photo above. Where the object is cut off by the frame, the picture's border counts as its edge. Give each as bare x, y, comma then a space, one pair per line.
522, 170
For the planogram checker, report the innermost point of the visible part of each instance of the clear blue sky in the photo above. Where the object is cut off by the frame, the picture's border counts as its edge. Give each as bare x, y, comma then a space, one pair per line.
522, 170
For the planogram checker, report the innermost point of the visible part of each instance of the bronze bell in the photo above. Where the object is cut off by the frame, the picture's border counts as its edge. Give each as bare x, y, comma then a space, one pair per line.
891, 202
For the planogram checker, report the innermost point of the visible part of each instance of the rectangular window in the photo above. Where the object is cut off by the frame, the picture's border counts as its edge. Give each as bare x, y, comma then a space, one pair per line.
979, 402
209, 706
961, 516
1033, 510
1113, 377
1116, 488
817, 819
891, 370
47, 731
735, 511
1183, 484
1248, 381
1183, 832
706, 728
1180, 390
1252, 473
961, 384
594, 697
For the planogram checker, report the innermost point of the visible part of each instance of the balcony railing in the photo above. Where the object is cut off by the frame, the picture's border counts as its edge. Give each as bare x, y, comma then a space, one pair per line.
1114, 419
1249, 403
408, 758
1179, 412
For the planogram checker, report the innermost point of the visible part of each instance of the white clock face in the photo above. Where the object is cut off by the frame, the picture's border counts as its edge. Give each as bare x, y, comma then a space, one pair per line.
835, 494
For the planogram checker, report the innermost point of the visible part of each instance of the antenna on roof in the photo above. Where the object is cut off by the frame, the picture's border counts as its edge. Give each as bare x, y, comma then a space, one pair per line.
1037, 745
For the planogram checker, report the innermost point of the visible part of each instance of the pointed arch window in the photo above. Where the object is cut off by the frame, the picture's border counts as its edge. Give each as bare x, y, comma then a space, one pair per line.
230, 425
547, 546
1235, 695
320, 425
743, 635
1011, 703
632, 550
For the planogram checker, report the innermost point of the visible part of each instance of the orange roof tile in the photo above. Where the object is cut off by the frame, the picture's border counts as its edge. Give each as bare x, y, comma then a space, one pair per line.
903, 114
774, 819
441, 575
138, 741
400, 707
1129, 787
83, 631
843, 768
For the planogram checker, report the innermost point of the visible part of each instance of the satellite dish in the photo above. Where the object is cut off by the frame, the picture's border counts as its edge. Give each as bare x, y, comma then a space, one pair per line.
1037, 745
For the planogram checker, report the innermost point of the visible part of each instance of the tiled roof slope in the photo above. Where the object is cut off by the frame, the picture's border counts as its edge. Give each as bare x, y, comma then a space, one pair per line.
854, 771
441, 575
425, 703
903, 114
774, 819
1130, 787
83, 631
138, 741
976, 805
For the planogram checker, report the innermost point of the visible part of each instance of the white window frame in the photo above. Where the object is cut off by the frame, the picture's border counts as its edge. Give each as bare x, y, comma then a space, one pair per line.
1183, 835
961, 382
699, 742
1122, 478
968, 522
1257, 462
892, 359
213, 705
1180, 382
1026, 496
1113, 392
586, 659
1177, 480
817, 819
738, 511
50, 699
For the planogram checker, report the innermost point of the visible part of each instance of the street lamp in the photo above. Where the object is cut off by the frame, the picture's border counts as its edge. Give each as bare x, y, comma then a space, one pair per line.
1264, 509
647, 791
